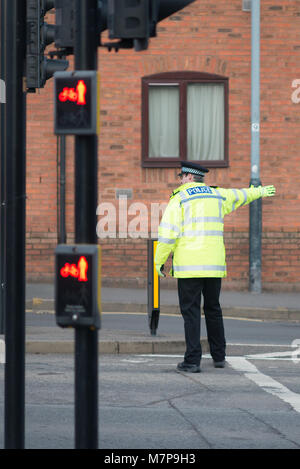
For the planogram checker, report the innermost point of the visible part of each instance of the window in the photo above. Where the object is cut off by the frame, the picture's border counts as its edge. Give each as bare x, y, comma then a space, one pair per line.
184, 117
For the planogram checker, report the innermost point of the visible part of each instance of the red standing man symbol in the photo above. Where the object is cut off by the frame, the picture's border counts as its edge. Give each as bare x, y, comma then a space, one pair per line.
81, 92
83, 268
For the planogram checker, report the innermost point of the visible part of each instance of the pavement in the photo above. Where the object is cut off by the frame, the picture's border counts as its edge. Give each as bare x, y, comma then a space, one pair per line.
44, 336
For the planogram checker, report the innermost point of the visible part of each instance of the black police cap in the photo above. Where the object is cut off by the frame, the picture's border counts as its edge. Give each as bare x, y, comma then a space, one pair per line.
192, 168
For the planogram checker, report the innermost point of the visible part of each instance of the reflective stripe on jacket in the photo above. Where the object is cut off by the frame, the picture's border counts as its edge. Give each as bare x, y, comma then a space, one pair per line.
192, 228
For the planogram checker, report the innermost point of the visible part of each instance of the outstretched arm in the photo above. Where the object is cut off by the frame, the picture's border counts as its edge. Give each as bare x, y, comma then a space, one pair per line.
235, 198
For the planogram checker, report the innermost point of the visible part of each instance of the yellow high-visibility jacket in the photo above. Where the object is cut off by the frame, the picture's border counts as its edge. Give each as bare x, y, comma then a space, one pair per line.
192, 228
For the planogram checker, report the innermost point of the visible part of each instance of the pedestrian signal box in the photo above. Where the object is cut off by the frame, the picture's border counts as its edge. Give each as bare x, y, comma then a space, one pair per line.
77, 285
76, 103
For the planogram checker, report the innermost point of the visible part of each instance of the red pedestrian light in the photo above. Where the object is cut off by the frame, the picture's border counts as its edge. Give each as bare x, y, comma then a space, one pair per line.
81, 92
78, 271
77, 285
76, 103
76, 95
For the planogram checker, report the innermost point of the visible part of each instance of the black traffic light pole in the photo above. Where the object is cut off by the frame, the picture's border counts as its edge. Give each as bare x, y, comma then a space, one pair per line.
2, 171
15, 157
86, 340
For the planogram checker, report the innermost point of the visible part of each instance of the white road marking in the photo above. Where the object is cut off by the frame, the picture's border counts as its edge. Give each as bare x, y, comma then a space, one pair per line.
259, 345
250, 371
272, 355
287, 359
160, 356
128, 360
267, 383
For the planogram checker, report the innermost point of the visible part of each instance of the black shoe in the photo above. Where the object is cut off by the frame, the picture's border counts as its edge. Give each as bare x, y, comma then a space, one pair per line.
188, 367
219, 364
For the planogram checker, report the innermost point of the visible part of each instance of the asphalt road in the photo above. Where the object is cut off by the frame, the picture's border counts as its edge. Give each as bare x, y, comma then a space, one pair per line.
238, 331
254, 403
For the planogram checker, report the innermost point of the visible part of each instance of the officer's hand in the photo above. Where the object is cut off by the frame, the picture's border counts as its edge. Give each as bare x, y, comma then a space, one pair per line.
159, 270
268, 191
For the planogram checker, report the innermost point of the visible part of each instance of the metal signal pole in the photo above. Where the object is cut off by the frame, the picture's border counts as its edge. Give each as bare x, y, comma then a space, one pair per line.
2, 168
255, 209
15, 171
86, 340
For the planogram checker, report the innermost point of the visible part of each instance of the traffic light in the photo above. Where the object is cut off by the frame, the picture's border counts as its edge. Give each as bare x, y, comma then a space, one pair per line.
134, 21
129, 20
77, 285
39, 34
65, 25
76, 103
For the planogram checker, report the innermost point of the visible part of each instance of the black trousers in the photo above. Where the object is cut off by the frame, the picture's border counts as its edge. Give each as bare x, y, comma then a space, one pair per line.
189, 292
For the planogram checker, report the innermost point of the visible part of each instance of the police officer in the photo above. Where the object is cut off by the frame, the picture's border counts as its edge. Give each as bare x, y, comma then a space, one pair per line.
192, 230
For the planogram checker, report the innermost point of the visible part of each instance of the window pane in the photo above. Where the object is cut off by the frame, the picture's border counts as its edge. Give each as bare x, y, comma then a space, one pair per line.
205, 121
163, 121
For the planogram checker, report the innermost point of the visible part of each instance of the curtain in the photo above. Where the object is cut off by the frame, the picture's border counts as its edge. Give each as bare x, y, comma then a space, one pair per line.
205, 121
163, 121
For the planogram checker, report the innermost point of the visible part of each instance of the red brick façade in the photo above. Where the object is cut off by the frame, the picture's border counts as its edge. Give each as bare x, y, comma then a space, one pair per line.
210, 36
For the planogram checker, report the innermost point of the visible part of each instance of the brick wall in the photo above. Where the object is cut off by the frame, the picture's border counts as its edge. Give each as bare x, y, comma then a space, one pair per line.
207, 36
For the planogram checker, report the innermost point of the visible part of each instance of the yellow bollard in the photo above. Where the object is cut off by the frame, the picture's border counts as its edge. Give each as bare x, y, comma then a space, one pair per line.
153, 288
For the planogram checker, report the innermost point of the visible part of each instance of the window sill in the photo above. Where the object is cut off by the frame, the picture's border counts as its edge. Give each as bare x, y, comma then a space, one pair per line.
176, 164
